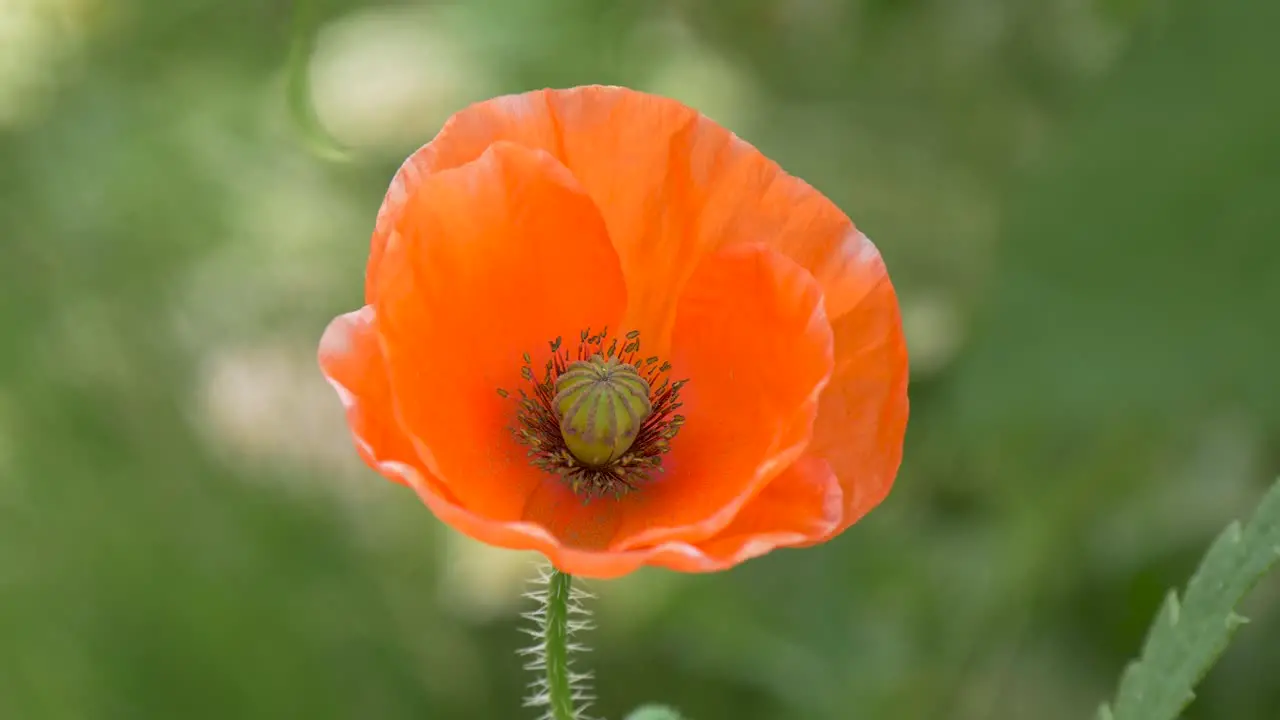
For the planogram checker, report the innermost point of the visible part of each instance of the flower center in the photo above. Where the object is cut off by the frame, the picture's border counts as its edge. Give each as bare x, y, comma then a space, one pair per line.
601, 404
600, 419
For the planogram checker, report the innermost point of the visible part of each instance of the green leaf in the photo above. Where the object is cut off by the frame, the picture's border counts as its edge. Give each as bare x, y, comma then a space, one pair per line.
1188, 636
654, 712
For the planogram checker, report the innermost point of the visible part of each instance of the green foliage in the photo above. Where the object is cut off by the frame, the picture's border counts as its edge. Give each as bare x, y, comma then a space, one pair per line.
1140, 243
1188, 636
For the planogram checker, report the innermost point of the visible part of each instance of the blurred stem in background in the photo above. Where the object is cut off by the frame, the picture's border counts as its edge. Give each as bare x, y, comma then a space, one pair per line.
302, 112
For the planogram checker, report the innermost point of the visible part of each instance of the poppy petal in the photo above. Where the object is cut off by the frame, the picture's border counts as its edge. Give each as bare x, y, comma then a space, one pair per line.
803, 505
753, 340
690, 187
594, 131
484, 263
463, 139
351, 360
862, 416
352, 363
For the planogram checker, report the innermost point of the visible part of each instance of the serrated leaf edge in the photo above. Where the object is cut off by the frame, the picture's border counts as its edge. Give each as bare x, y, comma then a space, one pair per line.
1237, 560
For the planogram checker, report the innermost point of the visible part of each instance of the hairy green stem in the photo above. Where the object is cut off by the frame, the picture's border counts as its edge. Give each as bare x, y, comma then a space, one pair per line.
556, 645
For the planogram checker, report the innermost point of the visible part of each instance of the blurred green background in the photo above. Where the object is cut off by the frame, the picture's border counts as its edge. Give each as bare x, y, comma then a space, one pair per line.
1079, 201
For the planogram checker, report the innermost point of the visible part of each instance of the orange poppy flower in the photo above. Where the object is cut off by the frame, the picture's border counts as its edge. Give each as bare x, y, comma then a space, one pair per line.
600, 326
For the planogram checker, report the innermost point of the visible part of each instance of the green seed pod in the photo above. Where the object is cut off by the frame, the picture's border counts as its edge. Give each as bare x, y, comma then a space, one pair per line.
601, 405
